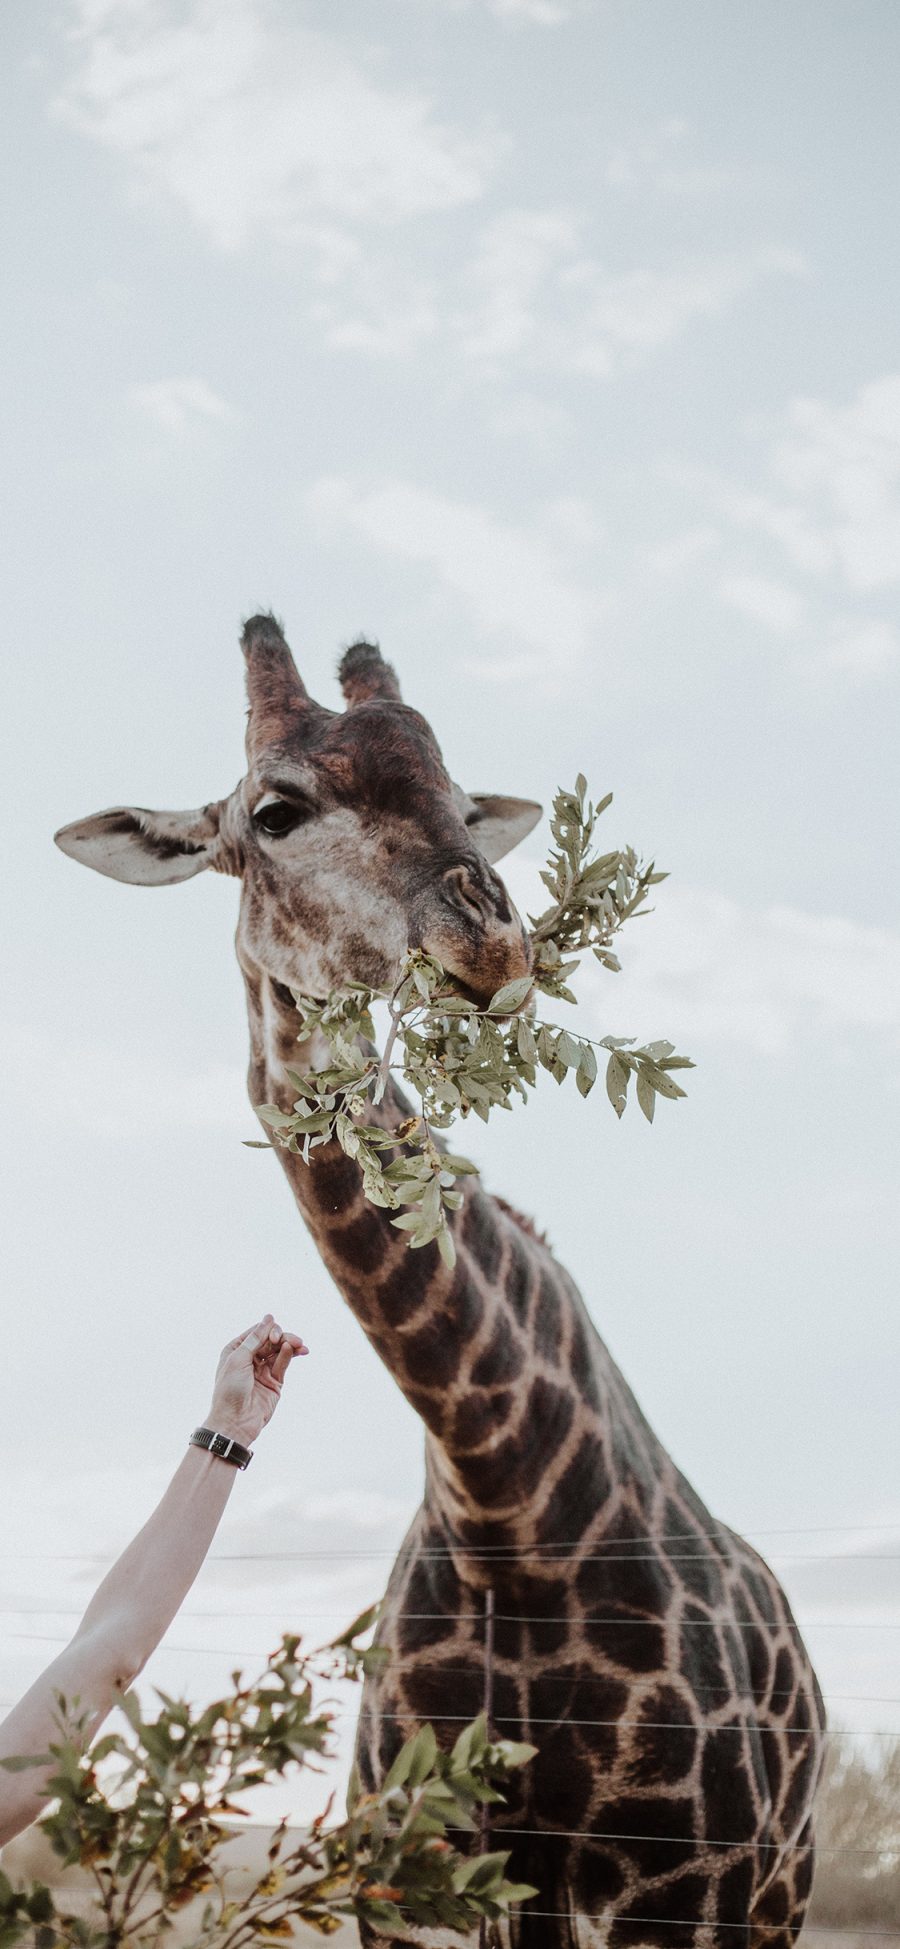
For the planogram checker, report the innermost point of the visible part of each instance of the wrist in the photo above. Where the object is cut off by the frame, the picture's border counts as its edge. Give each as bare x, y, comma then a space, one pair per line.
237, 1427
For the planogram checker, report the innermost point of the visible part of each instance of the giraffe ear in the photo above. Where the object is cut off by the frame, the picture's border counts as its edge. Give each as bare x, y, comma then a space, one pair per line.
145, 849
497, 824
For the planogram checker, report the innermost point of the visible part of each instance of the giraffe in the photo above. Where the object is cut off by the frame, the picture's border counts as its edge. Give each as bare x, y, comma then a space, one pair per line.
645, 1649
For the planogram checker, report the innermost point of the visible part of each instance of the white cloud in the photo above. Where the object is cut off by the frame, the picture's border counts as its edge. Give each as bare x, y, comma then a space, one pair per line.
539, 296
828, 511
542, 13
176, 405
842, 465
384, 311
862, 646
516, 582
525, 415
653, 162
537, 13
638, 311
771, 603
708, 969
259, 126
96, 1088
713, 970
831, 500
692, 545
518, 254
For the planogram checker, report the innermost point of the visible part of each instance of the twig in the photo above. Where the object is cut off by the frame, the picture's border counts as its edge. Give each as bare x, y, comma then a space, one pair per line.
385, 1063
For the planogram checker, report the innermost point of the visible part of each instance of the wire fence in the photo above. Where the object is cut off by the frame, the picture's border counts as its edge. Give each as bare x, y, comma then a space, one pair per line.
690, 1930
537, 1558
674, 1840
588, 1549
593, 1550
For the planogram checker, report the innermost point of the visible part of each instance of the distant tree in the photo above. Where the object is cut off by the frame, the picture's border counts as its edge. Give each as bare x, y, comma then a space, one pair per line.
857, 1881
148, 1815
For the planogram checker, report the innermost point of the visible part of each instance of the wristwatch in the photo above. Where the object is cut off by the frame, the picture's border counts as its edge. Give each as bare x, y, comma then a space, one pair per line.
222, 1446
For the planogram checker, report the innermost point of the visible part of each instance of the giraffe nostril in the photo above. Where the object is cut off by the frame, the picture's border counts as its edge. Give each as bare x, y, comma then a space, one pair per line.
464, 890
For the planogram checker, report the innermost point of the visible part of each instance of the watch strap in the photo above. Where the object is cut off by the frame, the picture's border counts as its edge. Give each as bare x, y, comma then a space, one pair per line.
222, 1446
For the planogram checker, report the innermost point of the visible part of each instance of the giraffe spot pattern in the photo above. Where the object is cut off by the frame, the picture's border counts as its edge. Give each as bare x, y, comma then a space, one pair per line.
728, 1802
563, 1788
678, 1899
579, 1493
548, 1322
477, 1416
482, 1234
735, 1890
429, 1355
503, 1358
360, 1244
405, 1289
656, 1829
518, 1274
666, 1743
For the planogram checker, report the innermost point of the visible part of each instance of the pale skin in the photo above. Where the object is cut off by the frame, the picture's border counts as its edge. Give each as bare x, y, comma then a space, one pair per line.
140, 1595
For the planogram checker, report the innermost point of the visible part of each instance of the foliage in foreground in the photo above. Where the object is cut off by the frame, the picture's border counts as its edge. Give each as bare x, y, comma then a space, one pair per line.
460, 1059
152, 1840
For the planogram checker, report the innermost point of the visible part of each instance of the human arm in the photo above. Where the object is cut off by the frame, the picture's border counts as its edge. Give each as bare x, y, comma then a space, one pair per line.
140, 1595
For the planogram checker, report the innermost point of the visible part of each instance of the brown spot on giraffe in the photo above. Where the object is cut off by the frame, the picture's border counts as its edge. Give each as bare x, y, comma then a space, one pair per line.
648, 1652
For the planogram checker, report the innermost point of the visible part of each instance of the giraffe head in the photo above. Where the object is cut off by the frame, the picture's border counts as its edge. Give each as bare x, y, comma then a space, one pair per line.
350, 840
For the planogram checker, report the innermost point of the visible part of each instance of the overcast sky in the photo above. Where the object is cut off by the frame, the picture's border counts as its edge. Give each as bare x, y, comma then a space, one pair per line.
555, 344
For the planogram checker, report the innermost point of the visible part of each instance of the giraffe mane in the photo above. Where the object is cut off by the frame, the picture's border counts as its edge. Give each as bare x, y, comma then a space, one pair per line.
526, 1225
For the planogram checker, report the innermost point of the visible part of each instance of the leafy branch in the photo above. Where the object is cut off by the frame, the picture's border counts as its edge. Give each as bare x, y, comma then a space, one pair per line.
153, 1843
459, 1059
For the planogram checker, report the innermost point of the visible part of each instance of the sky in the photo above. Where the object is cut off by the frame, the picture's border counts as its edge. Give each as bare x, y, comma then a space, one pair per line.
553, 343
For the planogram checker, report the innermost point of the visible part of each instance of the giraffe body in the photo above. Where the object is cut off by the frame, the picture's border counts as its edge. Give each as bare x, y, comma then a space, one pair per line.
646, 1651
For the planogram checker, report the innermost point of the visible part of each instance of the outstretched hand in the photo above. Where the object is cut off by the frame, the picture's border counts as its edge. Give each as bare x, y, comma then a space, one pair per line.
249, 1379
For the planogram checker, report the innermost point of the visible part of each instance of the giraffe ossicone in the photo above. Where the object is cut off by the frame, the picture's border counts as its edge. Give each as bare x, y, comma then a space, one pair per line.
646, 1650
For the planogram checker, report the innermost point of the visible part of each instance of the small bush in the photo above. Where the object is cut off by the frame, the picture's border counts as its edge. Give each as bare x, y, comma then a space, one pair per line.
150, 1833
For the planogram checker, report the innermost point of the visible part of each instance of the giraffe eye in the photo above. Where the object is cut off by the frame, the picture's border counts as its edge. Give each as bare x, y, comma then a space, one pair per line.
278, 816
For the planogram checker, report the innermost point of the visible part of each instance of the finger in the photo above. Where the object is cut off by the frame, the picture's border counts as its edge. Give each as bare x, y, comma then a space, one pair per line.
231, 1346
282, 1361
299, 1346
263, 1355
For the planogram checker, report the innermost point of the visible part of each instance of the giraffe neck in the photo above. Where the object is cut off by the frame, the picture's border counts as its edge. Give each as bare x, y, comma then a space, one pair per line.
497, 1356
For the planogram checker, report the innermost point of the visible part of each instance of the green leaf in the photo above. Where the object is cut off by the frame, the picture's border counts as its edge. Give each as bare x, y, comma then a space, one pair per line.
358, 1628
617, 1082
446, 1247
587, 1069
526, 1043
659, 1080
516, 1752
398, 1772
511, 996
568, 1050
424, 1754
646, 1095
